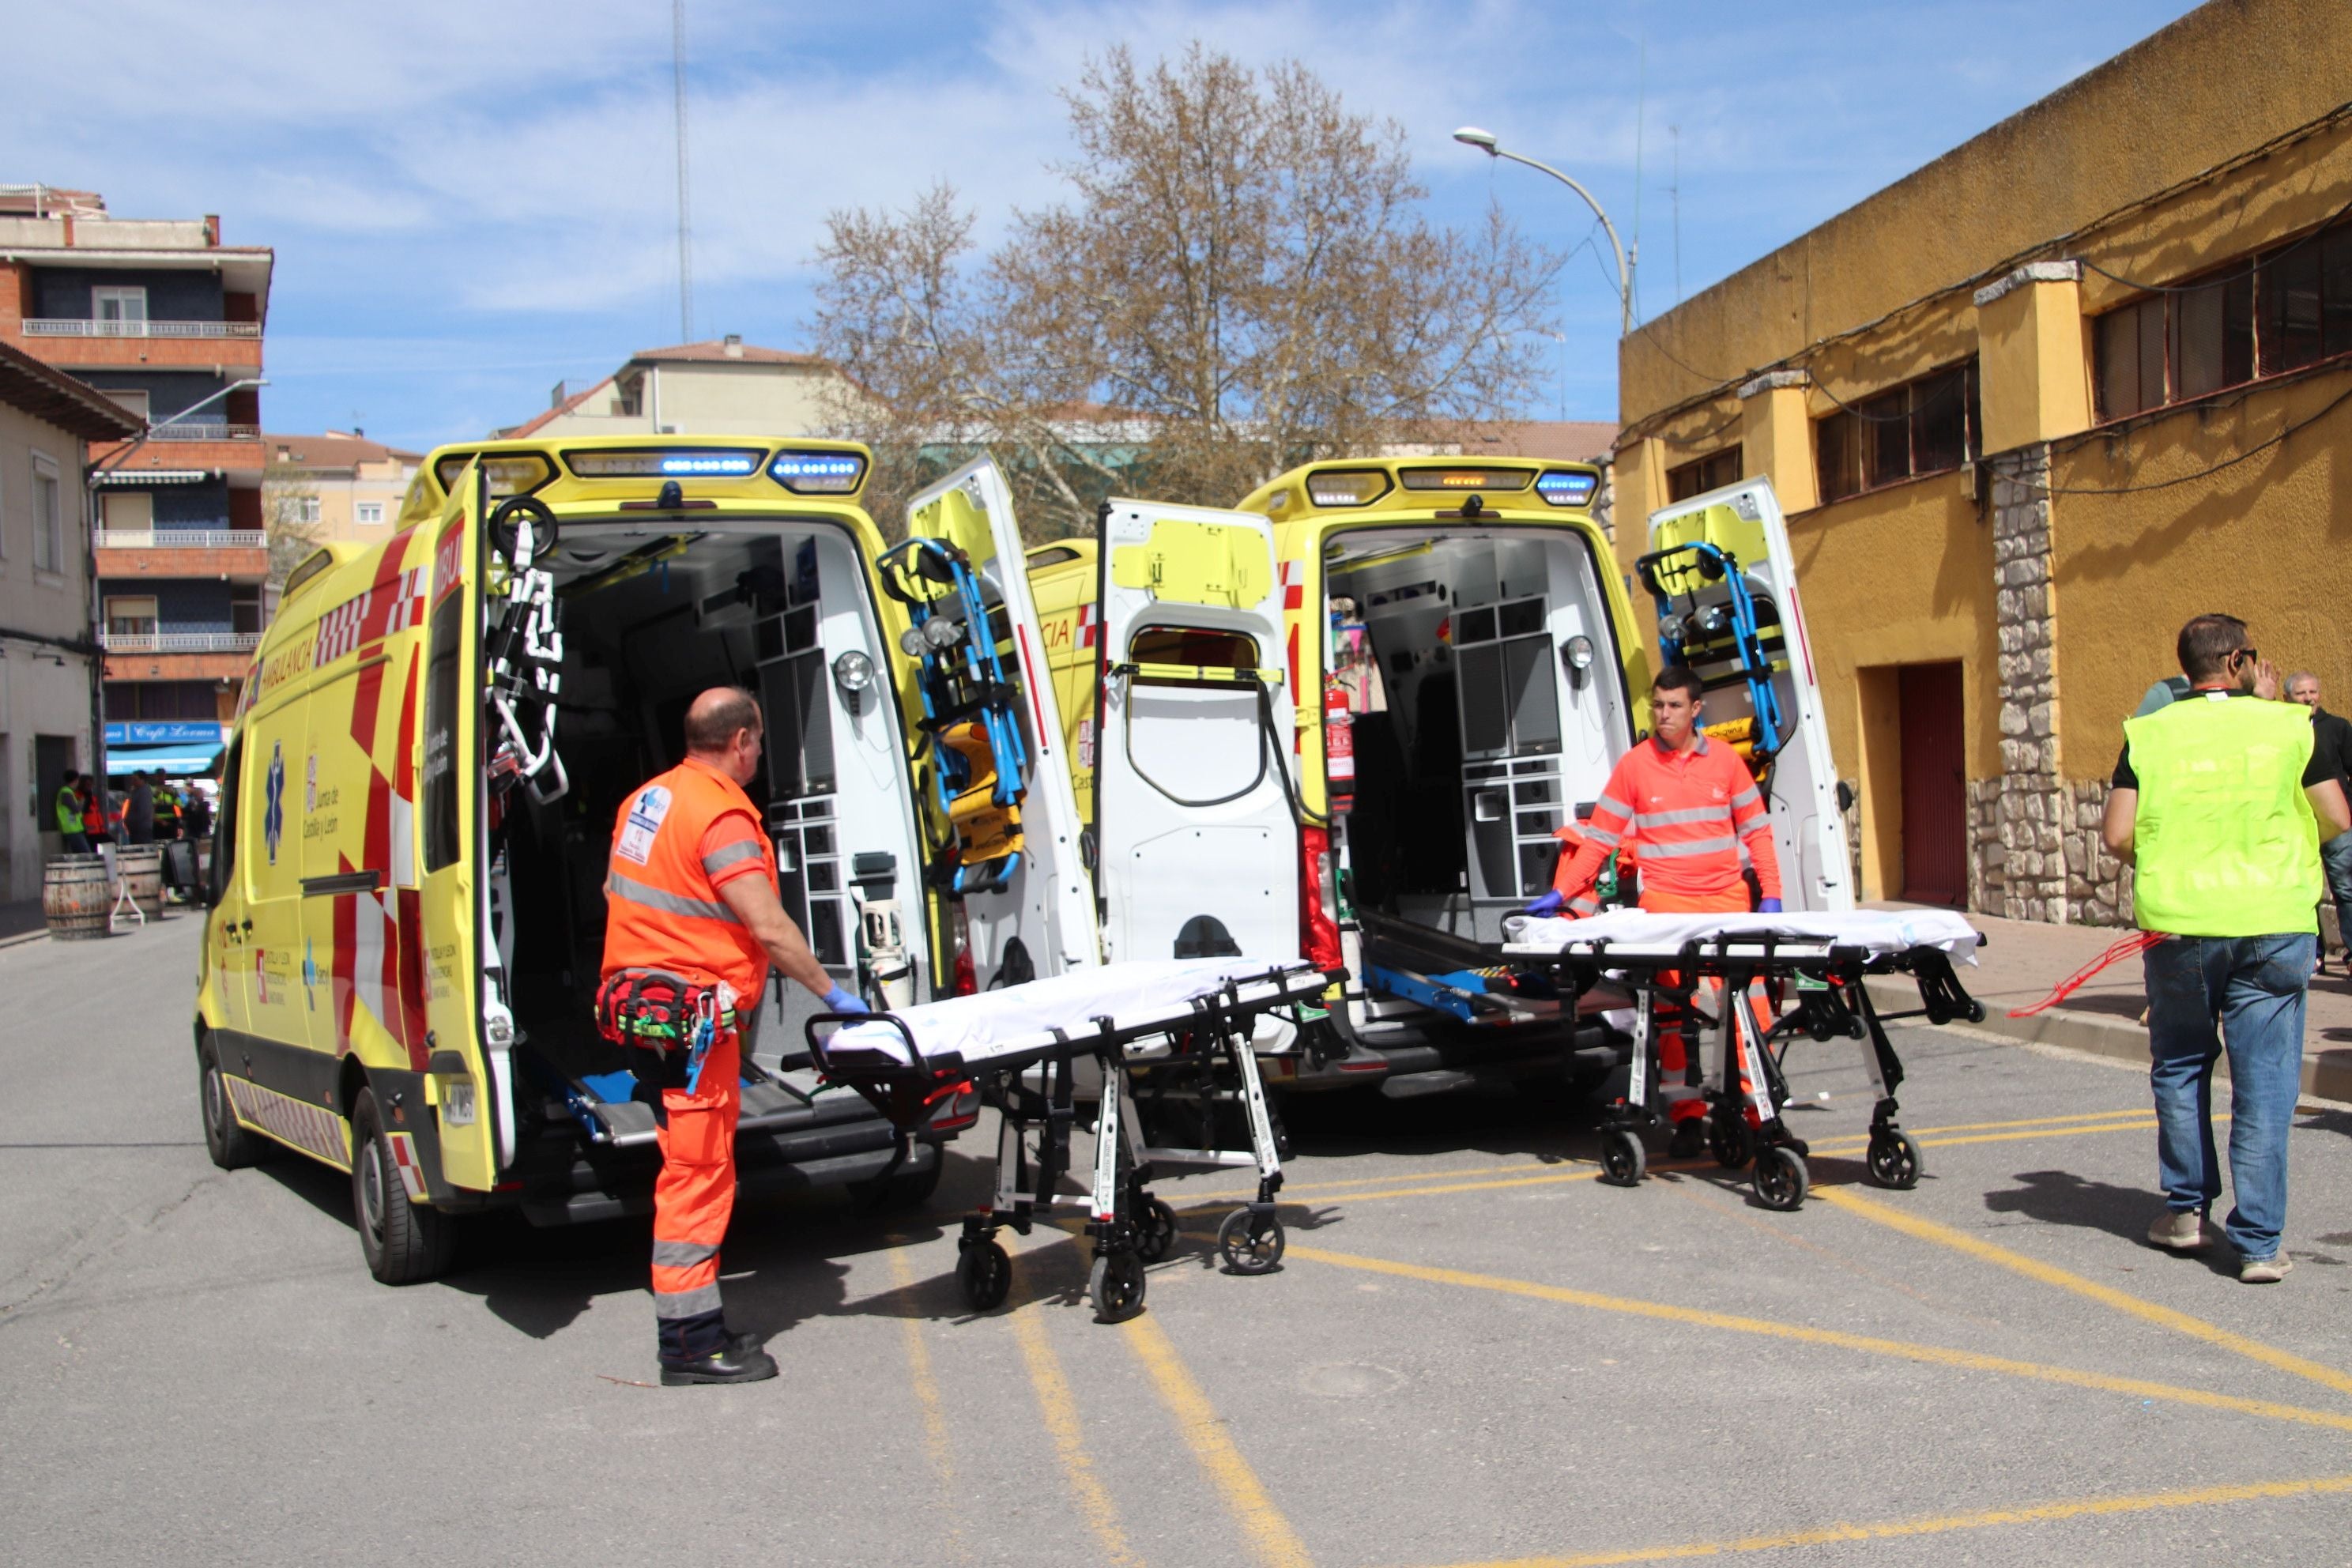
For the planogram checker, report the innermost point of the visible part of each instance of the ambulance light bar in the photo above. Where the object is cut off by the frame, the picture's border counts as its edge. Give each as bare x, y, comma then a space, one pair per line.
1464, 478
1562, 489
511, 473
658, 462
1347, 486
818, 473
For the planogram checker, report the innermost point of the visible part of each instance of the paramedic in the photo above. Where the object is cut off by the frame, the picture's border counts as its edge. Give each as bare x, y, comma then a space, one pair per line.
1690, 803
683, 898
2220, 803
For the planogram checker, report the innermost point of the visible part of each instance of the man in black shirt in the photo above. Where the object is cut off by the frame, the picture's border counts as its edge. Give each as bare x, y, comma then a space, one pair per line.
2331, 738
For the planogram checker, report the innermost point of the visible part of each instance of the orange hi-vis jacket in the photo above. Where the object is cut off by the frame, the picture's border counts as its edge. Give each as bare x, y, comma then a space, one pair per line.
676, 839
1689, 813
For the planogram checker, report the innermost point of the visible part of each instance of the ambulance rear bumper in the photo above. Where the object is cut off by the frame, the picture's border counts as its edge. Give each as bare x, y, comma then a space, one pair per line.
601, 1184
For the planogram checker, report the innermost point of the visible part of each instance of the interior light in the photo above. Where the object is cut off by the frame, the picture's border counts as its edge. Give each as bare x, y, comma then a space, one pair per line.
1578, 651
853, 677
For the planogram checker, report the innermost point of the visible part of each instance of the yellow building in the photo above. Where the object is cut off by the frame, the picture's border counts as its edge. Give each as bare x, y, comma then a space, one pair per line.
342, 485
2030, 408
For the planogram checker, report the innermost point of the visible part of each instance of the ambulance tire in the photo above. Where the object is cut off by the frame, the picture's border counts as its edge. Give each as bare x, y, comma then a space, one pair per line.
1622, 1158
1780, 1178
231, 1144
1116, 1284
405, 1243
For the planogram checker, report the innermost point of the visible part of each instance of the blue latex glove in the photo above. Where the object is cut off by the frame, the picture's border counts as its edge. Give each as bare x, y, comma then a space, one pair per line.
839, 1001
1549, 904
1768, 906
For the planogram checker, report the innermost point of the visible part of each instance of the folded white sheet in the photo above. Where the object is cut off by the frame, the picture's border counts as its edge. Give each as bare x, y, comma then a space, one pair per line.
1022, 1017
1640, 930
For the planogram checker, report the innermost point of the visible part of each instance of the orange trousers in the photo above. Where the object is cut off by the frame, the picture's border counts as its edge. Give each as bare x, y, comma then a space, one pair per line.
694, 1197
1675, 1054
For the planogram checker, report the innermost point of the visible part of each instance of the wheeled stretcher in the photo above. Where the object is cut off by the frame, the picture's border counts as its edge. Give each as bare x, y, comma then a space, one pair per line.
1125, 1035
1823, 957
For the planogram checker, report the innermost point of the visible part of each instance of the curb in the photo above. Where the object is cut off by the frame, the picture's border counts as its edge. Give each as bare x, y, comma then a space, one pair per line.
2327, 1074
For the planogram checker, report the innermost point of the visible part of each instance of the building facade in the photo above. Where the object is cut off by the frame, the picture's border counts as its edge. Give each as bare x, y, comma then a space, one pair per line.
339, 486
724, 387
167, 321
2029, 409
48, 654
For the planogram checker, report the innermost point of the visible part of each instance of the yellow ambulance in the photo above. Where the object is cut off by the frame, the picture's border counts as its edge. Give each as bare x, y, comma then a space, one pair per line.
406, 919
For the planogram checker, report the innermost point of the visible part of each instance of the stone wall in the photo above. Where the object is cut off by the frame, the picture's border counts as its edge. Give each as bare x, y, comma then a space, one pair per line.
2032, 814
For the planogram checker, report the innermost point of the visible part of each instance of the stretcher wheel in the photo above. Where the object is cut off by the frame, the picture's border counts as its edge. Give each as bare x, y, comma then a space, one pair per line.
1623, 1160
986, 1275
1115, 1283
1731, 1143
1895, 1159
1251, 1243
1780, 1178
1155, 1238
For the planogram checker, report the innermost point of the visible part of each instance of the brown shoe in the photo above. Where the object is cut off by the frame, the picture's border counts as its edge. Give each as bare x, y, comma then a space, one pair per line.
2178, 1232
2265, 1271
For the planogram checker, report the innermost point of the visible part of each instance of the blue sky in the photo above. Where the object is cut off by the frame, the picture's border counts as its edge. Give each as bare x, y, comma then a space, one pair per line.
471, 202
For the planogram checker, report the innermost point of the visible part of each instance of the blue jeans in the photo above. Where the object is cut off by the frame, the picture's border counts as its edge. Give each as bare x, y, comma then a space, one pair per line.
2253, 987
2335, 860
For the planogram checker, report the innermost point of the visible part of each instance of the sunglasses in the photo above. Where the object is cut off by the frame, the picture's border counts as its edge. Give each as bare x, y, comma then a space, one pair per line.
2247, 654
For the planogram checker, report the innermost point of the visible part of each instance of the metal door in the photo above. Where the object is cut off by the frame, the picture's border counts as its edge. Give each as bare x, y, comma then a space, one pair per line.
1934, 784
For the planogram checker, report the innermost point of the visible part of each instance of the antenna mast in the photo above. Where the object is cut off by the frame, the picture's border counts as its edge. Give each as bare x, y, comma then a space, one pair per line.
684, 227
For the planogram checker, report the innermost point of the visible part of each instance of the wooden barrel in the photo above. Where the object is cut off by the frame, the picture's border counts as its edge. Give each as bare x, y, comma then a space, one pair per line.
75, 895
140, 867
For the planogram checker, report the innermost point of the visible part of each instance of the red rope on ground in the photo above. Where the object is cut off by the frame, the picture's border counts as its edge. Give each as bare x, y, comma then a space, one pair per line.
2139, 942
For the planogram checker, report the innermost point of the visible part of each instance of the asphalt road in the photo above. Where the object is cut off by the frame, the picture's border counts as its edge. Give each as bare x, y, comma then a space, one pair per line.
1472, 1352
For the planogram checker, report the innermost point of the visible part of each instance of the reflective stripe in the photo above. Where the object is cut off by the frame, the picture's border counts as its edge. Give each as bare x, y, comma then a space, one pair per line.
1651, 850
1610, 803
1602, 836
1748, 797
726, 854
683, 1254
1585, 904
691, 1303
1676, 818
618, 885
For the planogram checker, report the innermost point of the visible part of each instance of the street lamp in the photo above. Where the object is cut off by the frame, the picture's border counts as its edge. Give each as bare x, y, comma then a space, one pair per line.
1471, 136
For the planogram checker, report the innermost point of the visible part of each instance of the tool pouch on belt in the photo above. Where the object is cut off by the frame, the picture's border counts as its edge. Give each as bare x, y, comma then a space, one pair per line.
654, 1010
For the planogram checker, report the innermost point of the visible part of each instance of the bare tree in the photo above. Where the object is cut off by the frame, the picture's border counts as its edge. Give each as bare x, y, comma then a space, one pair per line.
289, 518
1239, 281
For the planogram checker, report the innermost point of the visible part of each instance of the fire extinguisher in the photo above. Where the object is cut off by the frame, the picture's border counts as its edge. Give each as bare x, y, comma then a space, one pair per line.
1338, 748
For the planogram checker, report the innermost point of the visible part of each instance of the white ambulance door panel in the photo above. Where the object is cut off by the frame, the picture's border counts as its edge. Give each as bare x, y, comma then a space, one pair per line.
1042, 922
1743, 521
1198, 837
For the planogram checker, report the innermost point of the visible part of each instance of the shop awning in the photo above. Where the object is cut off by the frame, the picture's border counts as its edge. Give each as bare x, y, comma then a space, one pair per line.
173, 761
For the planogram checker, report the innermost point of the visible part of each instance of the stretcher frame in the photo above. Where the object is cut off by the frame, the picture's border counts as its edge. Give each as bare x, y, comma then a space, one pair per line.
1202, 1050
1838, 1003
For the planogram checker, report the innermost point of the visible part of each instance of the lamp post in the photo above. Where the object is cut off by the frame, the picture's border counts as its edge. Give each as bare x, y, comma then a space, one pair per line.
1471, 136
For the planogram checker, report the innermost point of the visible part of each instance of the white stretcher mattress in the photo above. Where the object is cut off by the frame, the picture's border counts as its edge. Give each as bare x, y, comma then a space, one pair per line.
1021, 1019
1643, 934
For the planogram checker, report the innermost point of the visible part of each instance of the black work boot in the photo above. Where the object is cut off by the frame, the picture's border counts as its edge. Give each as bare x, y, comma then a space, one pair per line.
738, 1361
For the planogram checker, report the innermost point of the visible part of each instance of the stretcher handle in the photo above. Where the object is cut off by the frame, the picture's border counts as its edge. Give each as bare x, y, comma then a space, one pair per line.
822, 1058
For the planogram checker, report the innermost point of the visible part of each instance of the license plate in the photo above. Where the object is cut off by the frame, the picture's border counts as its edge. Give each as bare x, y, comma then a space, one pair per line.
457, 1109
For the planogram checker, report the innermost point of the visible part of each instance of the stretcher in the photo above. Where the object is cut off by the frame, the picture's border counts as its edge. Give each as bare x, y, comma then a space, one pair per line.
1822, 959
1130, 1037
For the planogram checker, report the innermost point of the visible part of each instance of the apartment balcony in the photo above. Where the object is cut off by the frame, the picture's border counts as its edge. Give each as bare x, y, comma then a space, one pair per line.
71, 327
179, 642
238, 555
178, 656
186, 444
228, 348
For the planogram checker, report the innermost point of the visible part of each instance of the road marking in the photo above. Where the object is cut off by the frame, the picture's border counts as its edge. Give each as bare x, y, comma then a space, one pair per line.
937, 1446
1271, 1539
1942, 1524
1060, 1411
1903, 1349
2105, 1295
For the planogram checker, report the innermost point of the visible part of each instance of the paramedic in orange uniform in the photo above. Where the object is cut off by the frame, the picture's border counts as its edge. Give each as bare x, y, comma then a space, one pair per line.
1691, 804
692, 891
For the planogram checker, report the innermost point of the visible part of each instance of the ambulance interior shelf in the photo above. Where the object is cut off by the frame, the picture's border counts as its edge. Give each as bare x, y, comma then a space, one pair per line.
1131, 1038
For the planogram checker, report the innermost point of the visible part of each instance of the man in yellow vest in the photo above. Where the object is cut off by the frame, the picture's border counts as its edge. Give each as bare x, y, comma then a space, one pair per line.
2220, 805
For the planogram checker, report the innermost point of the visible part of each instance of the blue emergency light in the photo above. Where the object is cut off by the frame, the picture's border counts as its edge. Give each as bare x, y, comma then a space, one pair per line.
1564, 489
663, 462
818, 473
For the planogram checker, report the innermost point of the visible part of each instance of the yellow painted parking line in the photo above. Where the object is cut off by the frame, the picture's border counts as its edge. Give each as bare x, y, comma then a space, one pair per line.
937, 1449
2105, 1295
1944, 1524
1903, 1349
1271, 1540
1060, 1410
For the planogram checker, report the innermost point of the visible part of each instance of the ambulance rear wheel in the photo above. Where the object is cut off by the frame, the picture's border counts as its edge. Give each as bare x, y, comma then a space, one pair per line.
986, 1275
1780, 1179
1730, 1142
405, 1243
231, 1146
1155, 1234
1623, 1158
1250, 1242
1895, 1159
1117, 1285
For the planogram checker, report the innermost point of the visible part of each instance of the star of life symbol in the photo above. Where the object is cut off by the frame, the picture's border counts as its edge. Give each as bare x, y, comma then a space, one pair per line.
273, 815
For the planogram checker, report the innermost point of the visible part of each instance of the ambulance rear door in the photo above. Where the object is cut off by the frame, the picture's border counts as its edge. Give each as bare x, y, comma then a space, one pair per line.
1699, 611
1042, 922
1196, 825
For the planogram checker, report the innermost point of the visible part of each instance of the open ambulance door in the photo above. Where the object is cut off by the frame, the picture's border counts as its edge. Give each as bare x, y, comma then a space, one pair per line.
1721, 570
1196, 822
1041, 920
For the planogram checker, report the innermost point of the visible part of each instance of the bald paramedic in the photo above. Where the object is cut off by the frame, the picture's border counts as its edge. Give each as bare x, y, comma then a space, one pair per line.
693, 922
1692, 807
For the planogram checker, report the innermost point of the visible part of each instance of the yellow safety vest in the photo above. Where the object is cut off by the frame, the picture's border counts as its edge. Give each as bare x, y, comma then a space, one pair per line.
2227, 845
